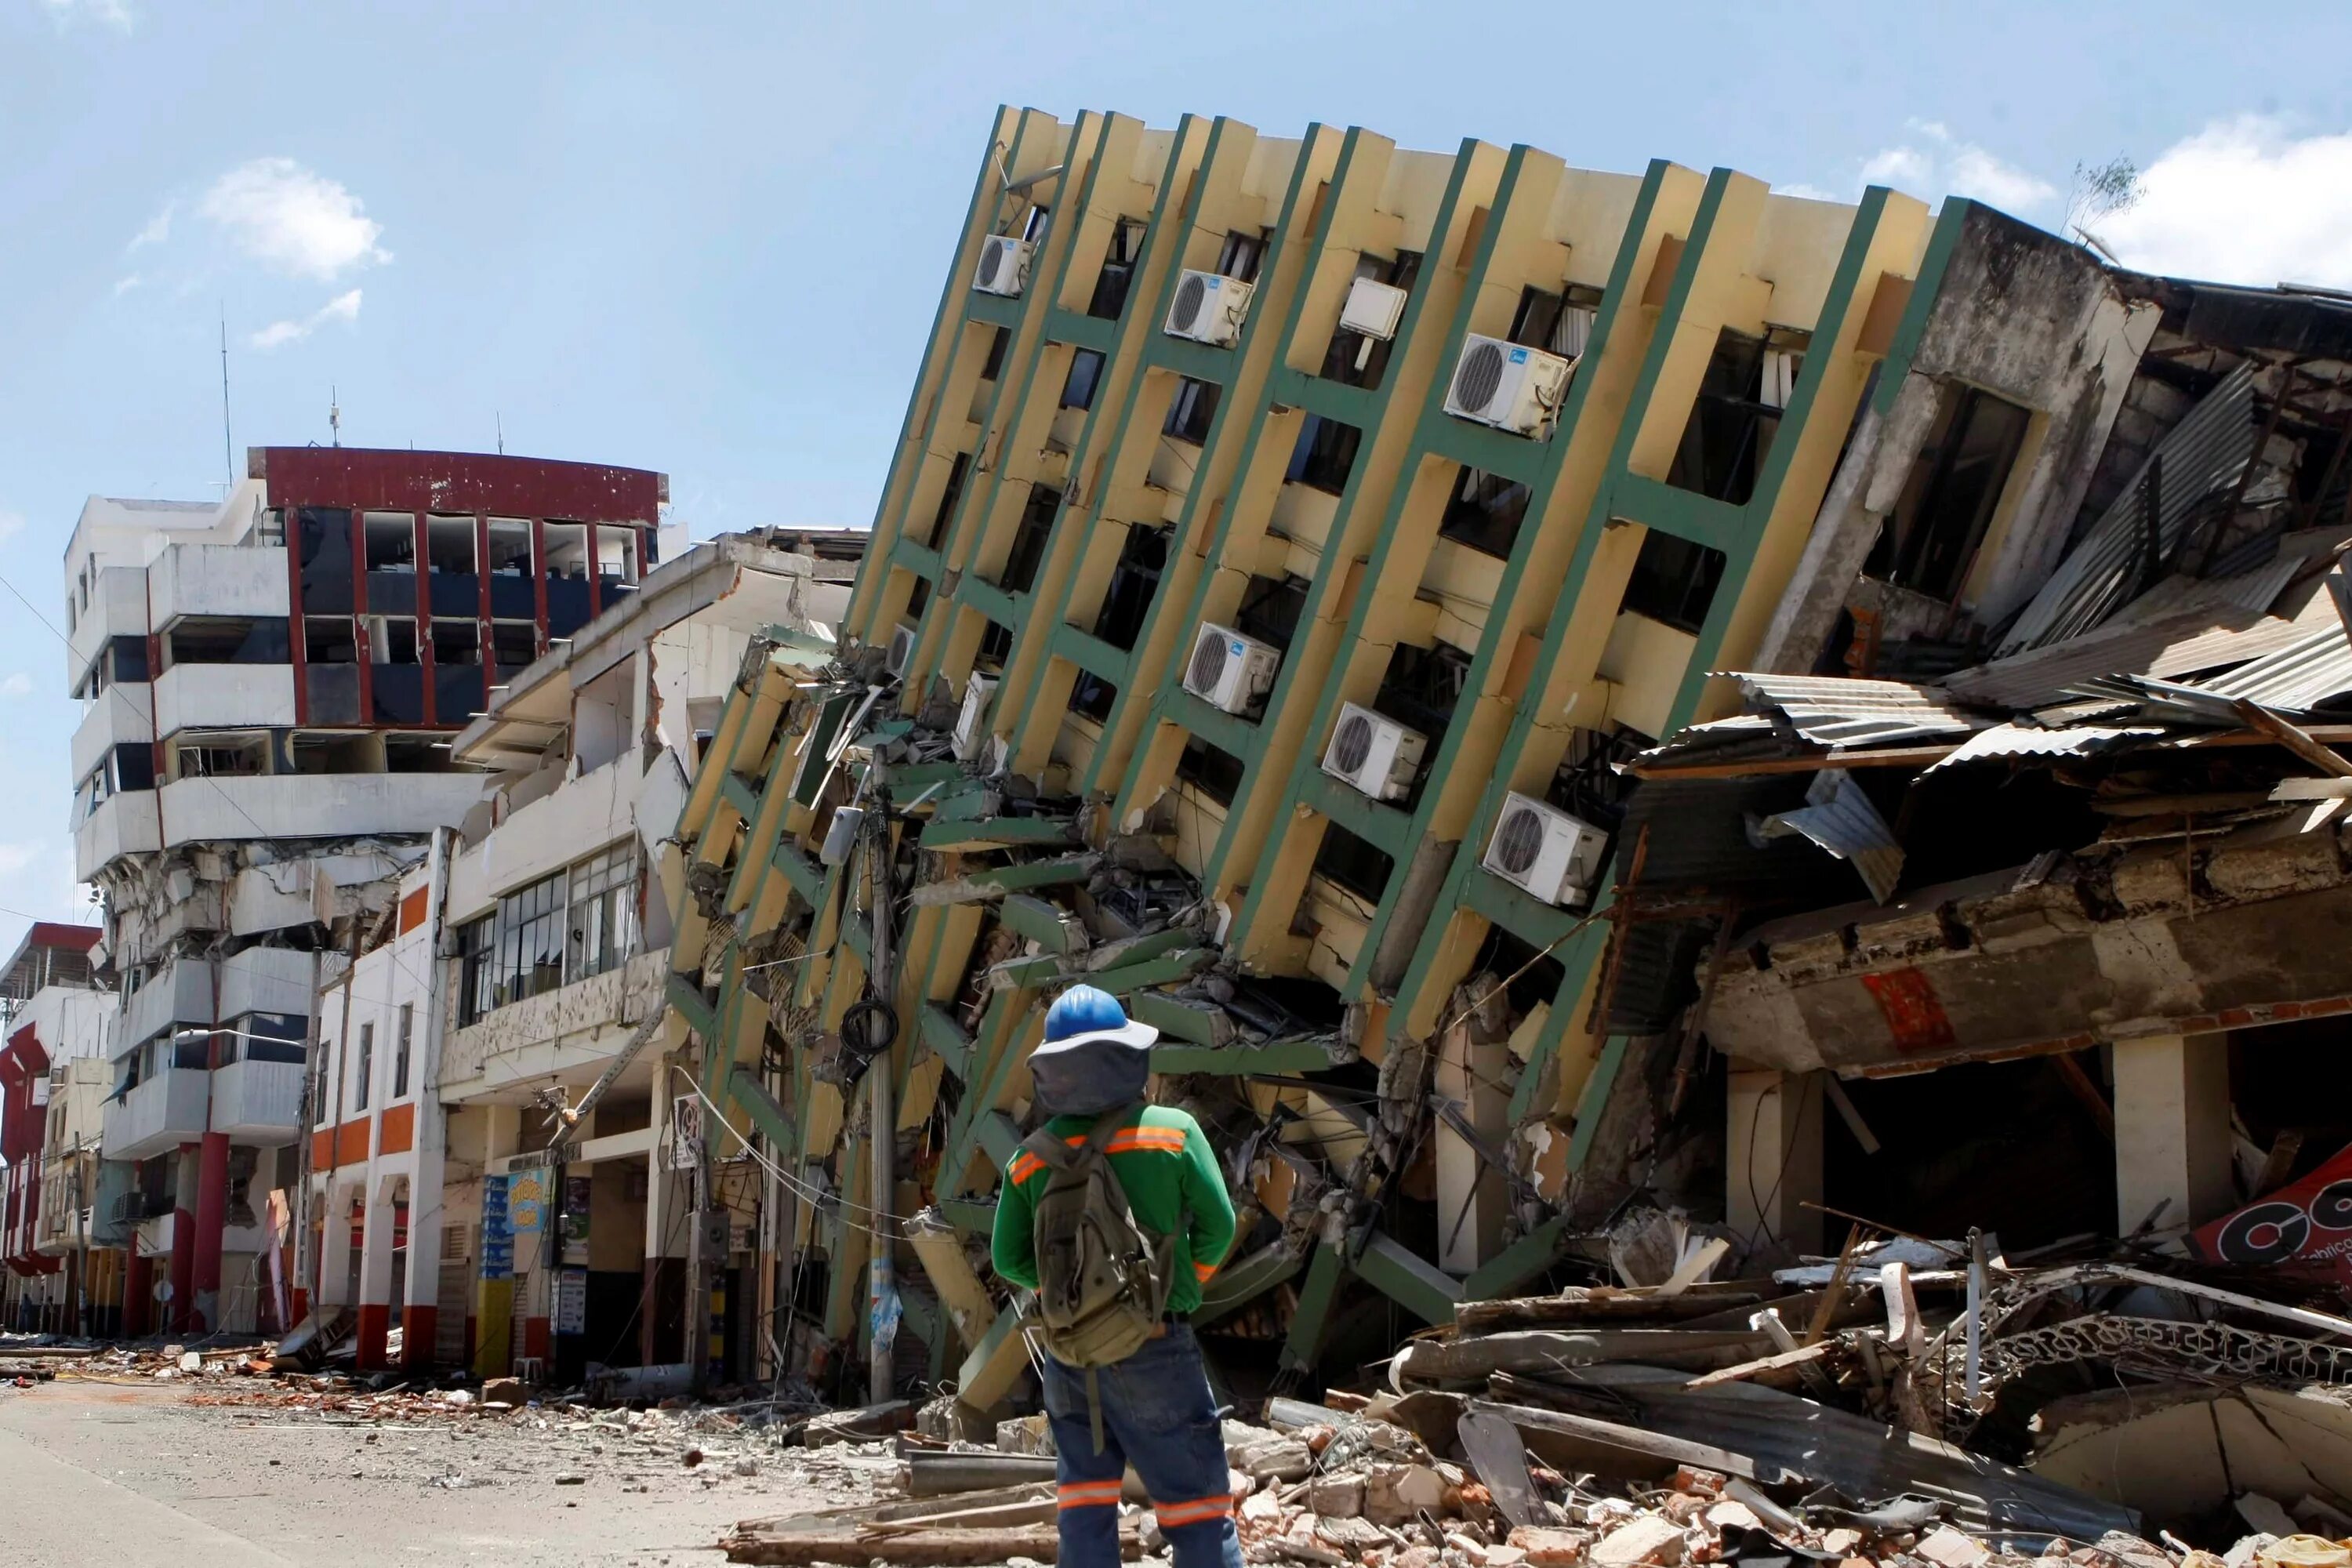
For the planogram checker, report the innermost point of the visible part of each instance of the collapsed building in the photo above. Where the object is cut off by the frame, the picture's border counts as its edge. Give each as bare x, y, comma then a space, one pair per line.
1300, 603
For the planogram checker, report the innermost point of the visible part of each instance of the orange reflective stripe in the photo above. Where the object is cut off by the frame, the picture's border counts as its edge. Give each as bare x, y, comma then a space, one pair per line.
1086, 1494
1026, 1166
1200, 1272
1171, 1514
1127, 1140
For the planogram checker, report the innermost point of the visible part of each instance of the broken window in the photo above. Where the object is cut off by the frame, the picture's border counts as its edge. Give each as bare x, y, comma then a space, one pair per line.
396, 683
531, 941
1674, 581
617, 566
514, 645
602, 922
1538, 314
1240, 255
567, 564
415, 754
221, 639
1531, 977
1094, 697
1271, 609
1353, 863
1134, 579
324, 541
948, 499
1734, 419
1117, 273
1078, 386
993, 365
1215, 772
1588, 785
403, 1027
1484, 512
453, 578
364, 1068
457, 687
1931, 539
336, 753
918, 598
391, 540
995, 646
1192, 410
1353, 359
1030, 538
477, 983
270, 1038
221, 757
331, 676
126, 658
1324, 454
509, 566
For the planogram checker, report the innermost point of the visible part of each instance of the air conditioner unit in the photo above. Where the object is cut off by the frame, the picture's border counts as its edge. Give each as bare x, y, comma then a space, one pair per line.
1230, 670
902, 649
1542, 849
1209, 307
1507, 386
970, 729
1374, 309
1004, 264
1375, 754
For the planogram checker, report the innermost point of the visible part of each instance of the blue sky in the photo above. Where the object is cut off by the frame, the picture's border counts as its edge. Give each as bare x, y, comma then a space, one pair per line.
708, 238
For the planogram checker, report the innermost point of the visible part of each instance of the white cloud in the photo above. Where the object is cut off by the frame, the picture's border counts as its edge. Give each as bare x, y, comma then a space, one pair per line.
2243, 202
16, 685
12, 523
114, 14
292, 219
1807, 193
1933, 163
124, 285
158, 229
341, 308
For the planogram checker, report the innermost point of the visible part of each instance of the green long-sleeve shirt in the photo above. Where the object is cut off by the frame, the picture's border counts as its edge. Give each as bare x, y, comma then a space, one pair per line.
1163, 1161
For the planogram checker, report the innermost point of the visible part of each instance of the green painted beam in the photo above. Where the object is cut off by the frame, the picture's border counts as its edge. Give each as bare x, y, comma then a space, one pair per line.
857, 939
946, 1039
1406, 1277
1304, 1346
998, 1136
1005, 608
736, 791
996, 310
1201, 1025
908, 780
687, 997
1043, 969
805, 875
916, 557
999, 833
1123, 978
990, 882
1530, 919
1050, 926
1383, 826
744, 1088
1279, 1056
1245, 1280
1088, 331
1228, 733
970, 1215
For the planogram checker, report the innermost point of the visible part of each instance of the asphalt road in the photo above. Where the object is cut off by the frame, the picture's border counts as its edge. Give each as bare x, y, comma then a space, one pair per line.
126, 1475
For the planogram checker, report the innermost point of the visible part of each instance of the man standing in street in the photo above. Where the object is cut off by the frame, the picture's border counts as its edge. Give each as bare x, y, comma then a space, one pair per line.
1151, 1407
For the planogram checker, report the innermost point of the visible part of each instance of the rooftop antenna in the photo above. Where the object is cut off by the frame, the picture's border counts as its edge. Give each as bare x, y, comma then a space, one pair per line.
502, 422
334, 416
228, 458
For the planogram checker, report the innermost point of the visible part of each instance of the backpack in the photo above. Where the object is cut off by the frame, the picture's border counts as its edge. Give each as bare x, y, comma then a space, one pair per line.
1102, 1280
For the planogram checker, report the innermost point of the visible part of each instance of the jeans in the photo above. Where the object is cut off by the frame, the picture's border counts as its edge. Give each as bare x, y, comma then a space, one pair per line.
1157, 1416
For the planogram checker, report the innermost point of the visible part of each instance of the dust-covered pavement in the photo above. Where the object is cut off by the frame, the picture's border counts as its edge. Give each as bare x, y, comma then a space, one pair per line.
134, 1472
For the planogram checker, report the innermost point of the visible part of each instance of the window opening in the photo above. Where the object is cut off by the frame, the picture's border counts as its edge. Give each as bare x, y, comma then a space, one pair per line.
1030, 538
1484, 512
1118, 275
1241, 255
1271, 609
1931, 538
1674, 581
1078, 386
1212, 770
1355, 864
1326, 454
1732, 422
1192, 410
400, 1033
1134, 580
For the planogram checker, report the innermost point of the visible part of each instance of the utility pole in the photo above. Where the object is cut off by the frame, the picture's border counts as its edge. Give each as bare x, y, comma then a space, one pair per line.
882, 1116
700, 1263
81, 1236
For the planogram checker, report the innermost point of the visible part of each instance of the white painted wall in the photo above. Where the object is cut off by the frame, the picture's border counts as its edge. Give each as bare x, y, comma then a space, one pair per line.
225, 696
218, 580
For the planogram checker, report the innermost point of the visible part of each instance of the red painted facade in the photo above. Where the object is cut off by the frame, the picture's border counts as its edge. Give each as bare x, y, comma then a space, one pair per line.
417, 638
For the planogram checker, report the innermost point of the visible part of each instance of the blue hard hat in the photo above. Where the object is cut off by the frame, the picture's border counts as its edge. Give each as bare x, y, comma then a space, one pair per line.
1084, 1015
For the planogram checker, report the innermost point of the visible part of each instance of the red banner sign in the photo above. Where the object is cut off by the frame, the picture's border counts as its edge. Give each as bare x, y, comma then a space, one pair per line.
2305, 1227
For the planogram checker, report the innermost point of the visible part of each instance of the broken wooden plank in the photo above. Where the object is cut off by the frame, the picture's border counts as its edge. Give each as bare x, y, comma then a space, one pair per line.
1782, 1369
1592, 1306
1588, 1436
1540, 1350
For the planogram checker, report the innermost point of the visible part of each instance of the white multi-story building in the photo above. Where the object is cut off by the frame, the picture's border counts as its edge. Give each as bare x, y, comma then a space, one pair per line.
59, 1248
270, 684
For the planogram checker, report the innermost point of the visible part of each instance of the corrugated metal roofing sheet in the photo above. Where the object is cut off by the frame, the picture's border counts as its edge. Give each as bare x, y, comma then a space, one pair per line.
2031, 741
2304, 673
2197, 457
1841, 819
1832, 711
